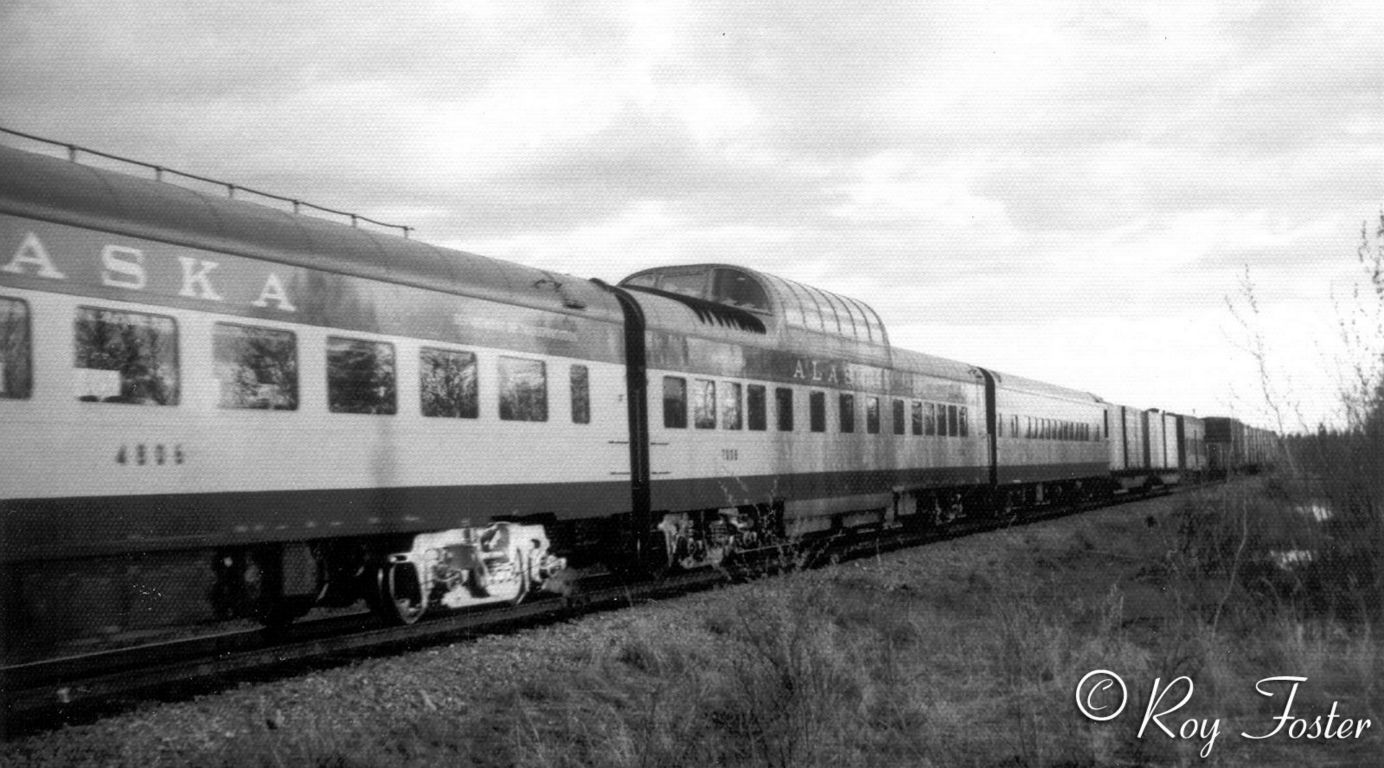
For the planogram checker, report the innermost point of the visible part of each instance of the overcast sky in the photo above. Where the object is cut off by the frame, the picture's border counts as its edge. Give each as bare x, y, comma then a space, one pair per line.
1067, 191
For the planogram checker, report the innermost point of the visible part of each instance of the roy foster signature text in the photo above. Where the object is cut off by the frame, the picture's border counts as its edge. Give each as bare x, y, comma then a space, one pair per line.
1101, 695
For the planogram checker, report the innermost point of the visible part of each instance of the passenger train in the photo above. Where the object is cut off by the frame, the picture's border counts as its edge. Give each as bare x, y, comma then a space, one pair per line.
288, 412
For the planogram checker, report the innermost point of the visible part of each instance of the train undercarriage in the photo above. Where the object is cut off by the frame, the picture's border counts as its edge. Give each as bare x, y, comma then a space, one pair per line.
402, 577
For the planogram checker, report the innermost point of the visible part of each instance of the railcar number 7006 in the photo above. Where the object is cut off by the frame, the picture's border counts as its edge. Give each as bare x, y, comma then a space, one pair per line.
142, 454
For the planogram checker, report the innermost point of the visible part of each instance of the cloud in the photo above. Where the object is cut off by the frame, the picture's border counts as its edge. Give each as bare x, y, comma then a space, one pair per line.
1015, 171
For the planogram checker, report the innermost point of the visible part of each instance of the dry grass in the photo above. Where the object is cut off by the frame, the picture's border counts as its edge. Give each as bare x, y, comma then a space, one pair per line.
964, 654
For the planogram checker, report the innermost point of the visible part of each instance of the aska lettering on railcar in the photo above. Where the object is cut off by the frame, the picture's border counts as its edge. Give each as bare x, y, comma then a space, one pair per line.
65, 259
132, 269
868, 377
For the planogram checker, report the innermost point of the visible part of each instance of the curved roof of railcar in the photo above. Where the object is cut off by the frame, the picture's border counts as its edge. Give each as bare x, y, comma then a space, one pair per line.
692, 317
795, 305
47, 188
1035, 387
931, 365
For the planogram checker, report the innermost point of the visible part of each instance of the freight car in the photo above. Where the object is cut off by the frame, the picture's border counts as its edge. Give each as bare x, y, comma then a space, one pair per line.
1234, 447
262, 412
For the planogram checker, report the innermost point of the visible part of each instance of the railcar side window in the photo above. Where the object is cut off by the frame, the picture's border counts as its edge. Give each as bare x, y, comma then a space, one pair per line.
447, 383
256, 367
963, 421
999, 424
755, 405
952, 428
847, 413
16, 352
730, 407
872, 415
930, 418
674, 402
817, 411
360, 376
523, 389
898, 417
783, 399
126, 357
581, 394
704, 404
917, 417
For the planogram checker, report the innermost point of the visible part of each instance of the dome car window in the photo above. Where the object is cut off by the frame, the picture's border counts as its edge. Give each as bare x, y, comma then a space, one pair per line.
738, 289
685, 283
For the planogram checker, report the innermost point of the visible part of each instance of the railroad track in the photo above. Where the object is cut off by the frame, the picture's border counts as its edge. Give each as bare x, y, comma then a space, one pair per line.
78, 688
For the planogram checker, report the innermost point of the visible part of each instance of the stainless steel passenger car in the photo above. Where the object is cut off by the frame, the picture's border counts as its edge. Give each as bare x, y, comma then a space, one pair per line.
284, 401
213, 408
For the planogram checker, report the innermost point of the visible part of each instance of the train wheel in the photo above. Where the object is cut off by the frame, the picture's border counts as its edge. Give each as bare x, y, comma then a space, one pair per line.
1005, 508
400, 597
